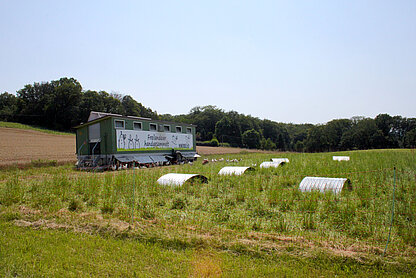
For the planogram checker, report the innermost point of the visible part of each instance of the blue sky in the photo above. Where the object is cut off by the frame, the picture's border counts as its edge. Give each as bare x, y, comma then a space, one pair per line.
287, 61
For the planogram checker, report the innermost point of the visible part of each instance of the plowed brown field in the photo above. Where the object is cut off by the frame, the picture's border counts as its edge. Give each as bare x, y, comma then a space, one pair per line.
21, 146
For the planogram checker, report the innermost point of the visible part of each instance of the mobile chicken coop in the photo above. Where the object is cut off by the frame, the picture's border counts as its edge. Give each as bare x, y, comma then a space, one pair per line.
112, 140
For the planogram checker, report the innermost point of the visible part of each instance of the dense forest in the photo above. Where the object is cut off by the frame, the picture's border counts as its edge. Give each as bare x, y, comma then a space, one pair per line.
62, 104
384, 131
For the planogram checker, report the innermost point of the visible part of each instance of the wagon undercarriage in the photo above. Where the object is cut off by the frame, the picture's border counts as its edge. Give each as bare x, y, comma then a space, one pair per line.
122, 161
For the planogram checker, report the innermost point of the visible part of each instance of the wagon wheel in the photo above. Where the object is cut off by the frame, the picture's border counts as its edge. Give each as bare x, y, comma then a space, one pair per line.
179, 157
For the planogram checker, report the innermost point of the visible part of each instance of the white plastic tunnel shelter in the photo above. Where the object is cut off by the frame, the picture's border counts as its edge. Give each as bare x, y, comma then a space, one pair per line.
176, 179
275, 162
234, 170
335, 185
268, 164
340, 158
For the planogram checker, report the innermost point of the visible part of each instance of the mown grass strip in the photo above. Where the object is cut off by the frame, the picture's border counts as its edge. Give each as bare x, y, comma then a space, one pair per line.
29, 252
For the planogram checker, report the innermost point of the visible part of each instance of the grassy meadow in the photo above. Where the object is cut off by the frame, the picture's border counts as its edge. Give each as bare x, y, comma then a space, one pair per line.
59, 221
30, 127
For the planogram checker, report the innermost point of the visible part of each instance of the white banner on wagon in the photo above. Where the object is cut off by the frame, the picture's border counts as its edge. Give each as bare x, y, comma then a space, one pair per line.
135, 140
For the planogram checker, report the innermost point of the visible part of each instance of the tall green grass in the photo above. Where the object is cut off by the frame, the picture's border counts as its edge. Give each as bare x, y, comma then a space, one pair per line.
228, 208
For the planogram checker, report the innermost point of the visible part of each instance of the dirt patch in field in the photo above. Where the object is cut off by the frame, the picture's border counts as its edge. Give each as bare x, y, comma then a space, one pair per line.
204, 150
20, 146
205, 264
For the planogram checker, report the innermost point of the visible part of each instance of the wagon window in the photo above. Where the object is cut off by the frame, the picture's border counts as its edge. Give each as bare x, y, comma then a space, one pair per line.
119, 124
166, 128
179, 129
153, 127
188, 130
137, 126
94, 132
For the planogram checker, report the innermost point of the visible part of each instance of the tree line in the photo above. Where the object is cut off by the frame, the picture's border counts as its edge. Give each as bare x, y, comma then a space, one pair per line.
62, 104
239, 130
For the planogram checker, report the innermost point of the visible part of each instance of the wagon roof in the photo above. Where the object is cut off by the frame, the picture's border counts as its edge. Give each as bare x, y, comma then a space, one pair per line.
108, 115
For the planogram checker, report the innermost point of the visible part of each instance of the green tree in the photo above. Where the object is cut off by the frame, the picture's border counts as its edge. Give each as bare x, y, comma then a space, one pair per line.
333, 132
205, 118
269, 130
384, 123
63, 106
248, 122
364, 134
52, 104
316, 140
8, 106
112, 104
297, 133
277, 132
131, 107
91, 101
228, 129
400, 126
251, 139
410, 139
32, 103
267, 144
283, 139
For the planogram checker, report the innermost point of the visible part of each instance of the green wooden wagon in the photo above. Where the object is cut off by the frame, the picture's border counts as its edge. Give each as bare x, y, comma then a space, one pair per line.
112, 140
